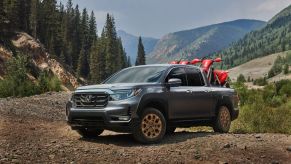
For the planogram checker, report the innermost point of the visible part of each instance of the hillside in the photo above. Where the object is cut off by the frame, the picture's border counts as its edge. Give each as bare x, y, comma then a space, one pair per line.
130, 44
41, 60
274, 37
255, 68
200, 42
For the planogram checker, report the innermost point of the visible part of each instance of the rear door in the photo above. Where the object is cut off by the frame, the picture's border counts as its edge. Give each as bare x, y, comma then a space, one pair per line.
202, 100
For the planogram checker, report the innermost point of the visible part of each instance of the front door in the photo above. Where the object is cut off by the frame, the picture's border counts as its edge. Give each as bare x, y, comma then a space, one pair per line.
180, 98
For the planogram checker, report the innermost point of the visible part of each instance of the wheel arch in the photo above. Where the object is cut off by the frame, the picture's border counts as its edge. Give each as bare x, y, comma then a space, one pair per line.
157, 103
225, 101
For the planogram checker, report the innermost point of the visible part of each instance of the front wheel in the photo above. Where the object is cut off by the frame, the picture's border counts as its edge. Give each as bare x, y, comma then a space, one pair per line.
151, 128
223, 120
89, 133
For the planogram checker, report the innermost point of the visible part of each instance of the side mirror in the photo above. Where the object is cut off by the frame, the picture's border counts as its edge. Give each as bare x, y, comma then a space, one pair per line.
174, 82
217, 60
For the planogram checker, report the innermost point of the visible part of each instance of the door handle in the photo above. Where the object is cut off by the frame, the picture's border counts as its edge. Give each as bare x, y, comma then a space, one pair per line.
188, 91
207, 91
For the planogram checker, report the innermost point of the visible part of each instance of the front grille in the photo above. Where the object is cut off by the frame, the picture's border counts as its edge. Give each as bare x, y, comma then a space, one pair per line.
95, 100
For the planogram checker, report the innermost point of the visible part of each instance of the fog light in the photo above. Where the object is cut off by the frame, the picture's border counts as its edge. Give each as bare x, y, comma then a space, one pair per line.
123, 118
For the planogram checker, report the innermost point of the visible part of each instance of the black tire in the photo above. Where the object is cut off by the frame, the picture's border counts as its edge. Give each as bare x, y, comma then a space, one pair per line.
170, 130
223, 120
89, 133
151, 127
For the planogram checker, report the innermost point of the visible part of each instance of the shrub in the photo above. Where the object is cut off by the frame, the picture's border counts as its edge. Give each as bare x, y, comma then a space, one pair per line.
260, 82
17, 84
241, 78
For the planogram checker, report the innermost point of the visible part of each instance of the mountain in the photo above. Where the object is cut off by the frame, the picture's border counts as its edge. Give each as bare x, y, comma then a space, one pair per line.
202, 41
274, 37
130, 42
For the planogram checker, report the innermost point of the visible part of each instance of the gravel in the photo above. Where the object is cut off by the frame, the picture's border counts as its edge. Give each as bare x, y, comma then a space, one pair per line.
33, 130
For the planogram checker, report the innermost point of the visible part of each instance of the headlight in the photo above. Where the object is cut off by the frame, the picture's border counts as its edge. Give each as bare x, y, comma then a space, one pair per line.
124, 94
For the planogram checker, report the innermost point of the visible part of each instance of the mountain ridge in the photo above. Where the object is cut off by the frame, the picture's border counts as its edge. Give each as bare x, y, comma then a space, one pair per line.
130, 43
274, 37
201, 41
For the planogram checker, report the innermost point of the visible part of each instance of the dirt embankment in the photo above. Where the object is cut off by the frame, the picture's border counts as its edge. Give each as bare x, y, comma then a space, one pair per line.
33, 130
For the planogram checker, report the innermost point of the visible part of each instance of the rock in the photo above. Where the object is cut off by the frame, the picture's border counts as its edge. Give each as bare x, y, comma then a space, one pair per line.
221, 162
226, 146
51, 156
243, 147
180, 153
289, 148
15, 161
275, 162
197, 156
263, 156
258, 136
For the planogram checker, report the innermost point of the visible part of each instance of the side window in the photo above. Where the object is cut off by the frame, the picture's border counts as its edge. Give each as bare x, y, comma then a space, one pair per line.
178, 73
194, 77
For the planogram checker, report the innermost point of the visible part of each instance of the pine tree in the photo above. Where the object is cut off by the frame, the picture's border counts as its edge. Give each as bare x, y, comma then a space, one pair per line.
33, 17
11, 9
110, 46
140, 60
24, 13
83, 65
76, 37
92, 28
94, 63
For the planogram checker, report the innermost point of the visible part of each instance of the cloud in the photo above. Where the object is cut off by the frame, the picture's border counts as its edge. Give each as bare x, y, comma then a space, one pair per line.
272, 5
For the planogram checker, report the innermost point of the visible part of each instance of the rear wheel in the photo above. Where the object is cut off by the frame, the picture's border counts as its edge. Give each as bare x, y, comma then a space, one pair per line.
151, 128
222, 121
89, 132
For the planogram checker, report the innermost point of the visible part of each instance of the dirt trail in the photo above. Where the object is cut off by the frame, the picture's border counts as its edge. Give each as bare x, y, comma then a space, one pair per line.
33, 130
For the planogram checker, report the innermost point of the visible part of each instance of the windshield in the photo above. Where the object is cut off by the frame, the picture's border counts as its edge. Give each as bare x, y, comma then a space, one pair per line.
145, 74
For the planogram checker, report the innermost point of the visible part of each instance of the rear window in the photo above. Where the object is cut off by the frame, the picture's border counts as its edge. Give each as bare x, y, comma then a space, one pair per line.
194, 77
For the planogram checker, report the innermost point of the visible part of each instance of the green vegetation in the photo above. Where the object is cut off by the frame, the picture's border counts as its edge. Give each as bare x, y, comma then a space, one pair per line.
266, 110
274, 37
260, 81
16, 82
280, 64
241, 78
67, 34
140, 60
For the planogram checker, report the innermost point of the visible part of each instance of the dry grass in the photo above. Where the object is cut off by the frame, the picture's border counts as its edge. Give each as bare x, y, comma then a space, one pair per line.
255, 68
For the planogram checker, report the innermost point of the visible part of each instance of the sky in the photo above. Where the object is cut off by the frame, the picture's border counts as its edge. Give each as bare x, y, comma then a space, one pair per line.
155, 18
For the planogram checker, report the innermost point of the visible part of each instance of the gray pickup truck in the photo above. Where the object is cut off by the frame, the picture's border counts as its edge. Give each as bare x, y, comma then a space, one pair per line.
150, 101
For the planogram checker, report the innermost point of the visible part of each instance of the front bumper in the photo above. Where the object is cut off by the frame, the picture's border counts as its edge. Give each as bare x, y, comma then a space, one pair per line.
117, 116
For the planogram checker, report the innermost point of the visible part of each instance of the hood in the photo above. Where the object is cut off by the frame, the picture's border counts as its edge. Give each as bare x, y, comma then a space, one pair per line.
115, 86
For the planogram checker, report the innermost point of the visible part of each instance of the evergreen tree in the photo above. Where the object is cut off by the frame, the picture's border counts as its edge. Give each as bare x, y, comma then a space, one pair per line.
140, 60
110, 46
11, 9
94, 63
92, 28
33, 17
76, 37
83, 65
